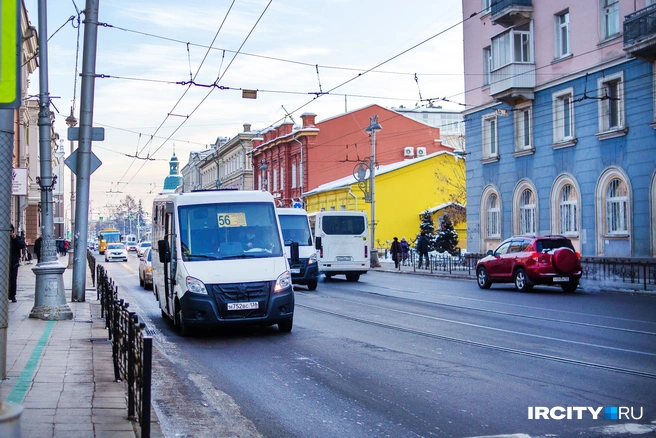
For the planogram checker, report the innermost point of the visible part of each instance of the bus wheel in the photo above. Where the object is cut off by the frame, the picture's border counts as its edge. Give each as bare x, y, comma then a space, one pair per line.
329, 277
352, 277
286, 326
180, 325
312, 285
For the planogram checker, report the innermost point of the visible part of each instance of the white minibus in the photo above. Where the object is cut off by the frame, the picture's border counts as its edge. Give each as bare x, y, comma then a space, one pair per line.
341, 239
218, 260
296, 228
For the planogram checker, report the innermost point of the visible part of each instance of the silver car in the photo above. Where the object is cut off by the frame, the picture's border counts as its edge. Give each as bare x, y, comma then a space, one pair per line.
142, 248
146, 270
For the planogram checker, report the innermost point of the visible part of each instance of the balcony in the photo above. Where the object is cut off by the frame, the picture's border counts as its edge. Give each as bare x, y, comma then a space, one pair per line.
640, 33
508, 13
513, 82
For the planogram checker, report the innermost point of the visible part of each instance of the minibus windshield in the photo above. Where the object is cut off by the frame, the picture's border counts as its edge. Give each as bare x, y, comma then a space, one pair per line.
295, 228
229, 231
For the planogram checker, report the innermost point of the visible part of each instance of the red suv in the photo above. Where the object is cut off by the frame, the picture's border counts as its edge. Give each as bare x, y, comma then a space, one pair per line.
531, 260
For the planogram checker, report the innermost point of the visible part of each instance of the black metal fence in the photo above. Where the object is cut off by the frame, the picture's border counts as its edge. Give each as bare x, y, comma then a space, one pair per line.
132, 349
632, 273
91, 259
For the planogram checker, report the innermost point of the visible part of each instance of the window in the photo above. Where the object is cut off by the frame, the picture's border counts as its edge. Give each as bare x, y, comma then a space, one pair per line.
487, 65
568, 210
512, 46
275, 179
562, 35
527, 212
563, 116
493, 217
616, 207
610, 18
523, 128
490, 149
611, 105
486, 7
293, 175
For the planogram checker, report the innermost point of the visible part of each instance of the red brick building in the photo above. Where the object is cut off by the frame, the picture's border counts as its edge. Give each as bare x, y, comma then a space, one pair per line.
288, 162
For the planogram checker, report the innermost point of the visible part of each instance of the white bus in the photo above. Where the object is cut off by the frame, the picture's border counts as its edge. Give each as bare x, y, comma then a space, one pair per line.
296, 228
341, 239
218, 260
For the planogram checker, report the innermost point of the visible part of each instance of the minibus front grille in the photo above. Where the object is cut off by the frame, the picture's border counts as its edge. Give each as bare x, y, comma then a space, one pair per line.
240, 293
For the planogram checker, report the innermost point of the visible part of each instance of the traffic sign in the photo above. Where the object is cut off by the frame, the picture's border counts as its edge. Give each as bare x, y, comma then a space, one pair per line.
297, 204
71, 162
9, 54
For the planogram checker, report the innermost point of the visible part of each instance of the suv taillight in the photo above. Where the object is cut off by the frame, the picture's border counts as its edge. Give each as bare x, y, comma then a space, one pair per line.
535, 256
578, 254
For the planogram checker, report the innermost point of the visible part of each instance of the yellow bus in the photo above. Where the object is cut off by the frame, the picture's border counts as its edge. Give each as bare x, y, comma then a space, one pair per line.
108, 235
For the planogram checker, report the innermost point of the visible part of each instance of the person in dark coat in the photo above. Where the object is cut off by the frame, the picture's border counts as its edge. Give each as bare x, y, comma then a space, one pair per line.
405, 251
16, 248
37, 247
395, 249
422, 249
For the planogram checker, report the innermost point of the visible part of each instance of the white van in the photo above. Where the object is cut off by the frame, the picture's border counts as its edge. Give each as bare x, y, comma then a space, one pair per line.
341, 238
218, 259
296, 228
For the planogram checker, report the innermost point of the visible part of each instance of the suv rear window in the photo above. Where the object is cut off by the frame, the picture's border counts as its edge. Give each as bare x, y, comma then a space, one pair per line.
549, 244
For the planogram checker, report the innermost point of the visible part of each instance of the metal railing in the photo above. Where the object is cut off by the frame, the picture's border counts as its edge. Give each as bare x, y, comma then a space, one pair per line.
91, 259
640, 24
132, 349
500, 5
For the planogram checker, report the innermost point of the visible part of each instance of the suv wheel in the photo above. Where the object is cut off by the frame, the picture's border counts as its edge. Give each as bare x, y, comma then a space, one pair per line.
482, 279
522, 283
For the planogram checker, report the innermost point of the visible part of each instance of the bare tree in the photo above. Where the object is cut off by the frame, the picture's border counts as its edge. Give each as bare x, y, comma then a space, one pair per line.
454, 187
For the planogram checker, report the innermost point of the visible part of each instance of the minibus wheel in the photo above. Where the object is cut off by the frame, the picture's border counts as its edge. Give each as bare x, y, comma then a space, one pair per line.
180, 325
286, 326
312, 285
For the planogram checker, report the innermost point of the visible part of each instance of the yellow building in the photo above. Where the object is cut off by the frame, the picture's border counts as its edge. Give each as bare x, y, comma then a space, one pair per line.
403, 191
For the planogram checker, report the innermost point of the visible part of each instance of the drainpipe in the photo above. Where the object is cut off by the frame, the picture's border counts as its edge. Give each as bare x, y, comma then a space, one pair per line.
243, 164
301, 169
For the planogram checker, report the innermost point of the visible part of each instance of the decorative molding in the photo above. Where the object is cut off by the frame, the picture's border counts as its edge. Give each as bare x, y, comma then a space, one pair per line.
524, 152
564, 144
492, 159
612, 134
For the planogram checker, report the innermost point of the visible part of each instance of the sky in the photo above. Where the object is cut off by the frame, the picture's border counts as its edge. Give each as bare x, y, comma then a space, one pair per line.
319, 56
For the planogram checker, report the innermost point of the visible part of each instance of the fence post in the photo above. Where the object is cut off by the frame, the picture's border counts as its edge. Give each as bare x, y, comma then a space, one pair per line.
132, 321
146, 382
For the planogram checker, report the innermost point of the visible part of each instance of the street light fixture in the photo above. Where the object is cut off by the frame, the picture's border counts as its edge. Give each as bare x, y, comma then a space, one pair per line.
263, 169
373, 128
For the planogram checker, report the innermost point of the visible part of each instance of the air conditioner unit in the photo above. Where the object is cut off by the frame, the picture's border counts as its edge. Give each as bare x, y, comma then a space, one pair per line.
421, 152
408, 151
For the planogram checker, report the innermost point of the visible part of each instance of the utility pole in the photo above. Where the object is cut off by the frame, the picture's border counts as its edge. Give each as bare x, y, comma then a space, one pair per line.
49, 298
373, 127
84, 148
71, 122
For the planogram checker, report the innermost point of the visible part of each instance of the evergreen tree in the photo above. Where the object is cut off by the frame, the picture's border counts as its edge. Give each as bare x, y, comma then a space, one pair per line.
428, 228
447, 238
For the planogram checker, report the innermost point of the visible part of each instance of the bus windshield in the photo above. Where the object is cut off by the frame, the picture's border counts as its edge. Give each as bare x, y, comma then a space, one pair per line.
229, 231
111, 237
295, 228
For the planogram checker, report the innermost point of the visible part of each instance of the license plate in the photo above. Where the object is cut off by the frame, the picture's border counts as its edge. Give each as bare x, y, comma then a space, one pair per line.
295, 271
560, 279
343, 258
244, 306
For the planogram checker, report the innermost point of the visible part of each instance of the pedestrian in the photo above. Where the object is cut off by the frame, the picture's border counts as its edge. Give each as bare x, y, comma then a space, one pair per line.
37, 248
15, 249
395, 249
66, 244
405, 251
60, 246
422, 249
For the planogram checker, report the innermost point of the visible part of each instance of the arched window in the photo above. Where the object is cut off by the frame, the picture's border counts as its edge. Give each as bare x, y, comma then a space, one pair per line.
527, 212
569, 215
493, 217
616, 207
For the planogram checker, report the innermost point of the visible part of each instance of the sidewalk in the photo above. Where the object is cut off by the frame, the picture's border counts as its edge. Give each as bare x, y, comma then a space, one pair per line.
61, 372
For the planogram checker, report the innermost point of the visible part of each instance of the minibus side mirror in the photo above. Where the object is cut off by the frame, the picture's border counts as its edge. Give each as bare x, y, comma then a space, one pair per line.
293, 250
164, 251
317, 242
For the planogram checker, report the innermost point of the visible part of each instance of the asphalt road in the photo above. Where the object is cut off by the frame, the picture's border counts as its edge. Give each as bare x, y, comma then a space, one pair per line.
405, 356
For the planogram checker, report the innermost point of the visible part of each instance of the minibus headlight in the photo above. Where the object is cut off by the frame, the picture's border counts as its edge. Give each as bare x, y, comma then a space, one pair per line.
312, 258
196, 286
283, 282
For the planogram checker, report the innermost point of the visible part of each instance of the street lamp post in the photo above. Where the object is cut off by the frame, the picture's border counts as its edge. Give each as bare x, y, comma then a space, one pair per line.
71, 122
373, 127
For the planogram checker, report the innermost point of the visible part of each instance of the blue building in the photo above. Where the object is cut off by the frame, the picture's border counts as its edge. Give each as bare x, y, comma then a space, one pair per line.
561, 126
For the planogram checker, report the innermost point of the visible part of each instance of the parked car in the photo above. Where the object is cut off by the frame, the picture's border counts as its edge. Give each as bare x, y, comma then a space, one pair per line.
142, 248
116, 251
146, 269
529, 260
132, 246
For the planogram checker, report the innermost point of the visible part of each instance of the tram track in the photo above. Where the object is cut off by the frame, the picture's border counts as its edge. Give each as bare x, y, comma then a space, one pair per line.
485, 345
